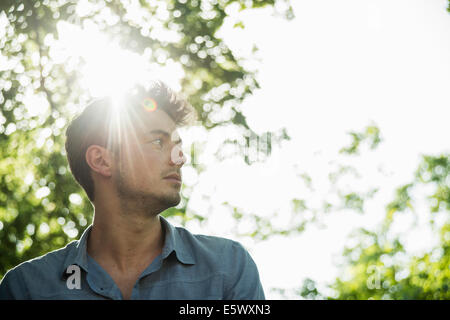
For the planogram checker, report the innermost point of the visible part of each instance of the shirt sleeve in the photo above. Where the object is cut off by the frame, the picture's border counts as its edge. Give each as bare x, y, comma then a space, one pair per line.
242, 276
12, 286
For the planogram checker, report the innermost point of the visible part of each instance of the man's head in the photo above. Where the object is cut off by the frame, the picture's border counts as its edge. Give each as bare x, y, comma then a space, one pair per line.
130, 146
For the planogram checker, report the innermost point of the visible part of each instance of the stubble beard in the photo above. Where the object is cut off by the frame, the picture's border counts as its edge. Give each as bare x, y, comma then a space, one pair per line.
149, 201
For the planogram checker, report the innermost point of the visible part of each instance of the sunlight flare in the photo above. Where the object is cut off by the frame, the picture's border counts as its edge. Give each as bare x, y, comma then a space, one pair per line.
108, 69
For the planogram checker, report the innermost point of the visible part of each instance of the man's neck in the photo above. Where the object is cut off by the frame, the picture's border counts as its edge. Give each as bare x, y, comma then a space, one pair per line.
124, 241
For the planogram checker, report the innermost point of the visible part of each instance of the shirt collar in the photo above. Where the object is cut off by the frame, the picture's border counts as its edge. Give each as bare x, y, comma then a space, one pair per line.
77, 253
172, 242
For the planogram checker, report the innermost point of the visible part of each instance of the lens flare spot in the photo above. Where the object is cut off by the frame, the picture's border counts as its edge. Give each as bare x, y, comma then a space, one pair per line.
149, 104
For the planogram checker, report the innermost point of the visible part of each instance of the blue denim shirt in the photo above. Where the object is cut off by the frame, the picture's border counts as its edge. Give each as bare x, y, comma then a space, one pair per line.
190, 267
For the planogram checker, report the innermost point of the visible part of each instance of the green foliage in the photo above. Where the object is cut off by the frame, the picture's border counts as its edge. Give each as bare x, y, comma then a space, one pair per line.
309, 290
379, 267
371, 135
436, 170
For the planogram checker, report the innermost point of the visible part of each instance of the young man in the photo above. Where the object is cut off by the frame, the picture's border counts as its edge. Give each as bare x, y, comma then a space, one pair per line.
127, 157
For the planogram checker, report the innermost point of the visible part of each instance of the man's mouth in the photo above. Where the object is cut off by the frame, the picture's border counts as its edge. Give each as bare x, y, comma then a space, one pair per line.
174, 177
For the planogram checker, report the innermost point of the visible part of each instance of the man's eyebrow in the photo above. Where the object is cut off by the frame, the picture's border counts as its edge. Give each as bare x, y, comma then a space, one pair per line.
164, 133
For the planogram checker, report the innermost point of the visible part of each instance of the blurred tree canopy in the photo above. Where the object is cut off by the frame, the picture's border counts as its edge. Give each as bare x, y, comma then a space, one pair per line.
42, 208
378, 266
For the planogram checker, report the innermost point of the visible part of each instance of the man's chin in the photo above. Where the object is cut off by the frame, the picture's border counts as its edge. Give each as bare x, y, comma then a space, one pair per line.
165, 201
172, 201
157, 202
160, 204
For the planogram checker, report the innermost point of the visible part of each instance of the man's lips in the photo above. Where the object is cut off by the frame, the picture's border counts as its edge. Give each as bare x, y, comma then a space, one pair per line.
175, 177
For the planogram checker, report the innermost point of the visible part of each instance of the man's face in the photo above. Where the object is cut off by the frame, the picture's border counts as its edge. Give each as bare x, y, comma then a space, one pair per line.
149, 152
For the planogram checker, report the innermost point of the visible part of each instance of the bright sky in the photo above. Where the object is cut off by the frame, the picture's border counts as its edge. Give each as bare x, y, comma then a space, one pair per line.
337, 67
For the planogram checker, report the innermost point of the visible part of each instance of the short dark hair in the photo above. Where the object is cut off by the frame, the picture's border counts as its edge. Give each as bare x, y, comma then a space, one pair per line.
92, 126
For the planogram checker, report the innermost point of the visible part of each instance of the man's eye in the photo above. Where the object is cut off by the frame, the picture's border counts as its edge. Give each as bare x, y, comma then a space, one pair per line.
158, 141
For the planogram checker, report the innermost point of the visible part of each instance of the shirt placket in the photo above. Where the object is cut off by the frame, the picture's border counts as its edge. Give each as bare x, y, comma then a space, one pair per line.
153, 267
101, 282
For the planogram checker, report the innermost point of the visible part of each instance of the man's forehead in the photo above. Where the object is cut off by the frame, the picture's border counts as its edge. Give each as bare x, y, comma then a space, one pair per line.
157, 122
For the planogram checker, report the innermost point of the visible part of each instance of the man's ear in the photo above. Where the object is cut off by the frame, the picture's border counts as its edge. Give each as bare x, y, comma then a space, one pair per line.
99, 159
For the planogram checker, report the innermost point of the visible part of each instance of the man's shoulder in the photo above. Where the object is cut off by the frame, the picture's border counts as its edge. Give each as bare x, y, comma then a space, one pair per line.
43, 263
35, 276
210, 243
231, 258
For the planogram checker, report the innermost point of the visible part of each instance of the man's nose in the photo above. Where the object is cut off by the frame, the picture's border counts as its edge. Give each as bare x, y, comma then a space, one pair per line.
177, 157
